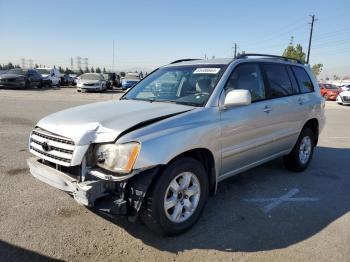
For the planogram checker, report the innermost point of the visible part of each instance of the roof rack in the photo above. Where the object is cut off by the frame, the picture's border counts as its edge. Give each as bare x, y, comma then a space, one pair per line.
183, 60
271, 56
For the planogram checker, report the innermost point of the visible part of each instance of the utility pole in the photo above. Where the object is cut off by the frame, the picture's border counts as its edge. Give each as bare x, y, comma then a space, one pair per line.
235, 54
71, 63
311, 29
113, 58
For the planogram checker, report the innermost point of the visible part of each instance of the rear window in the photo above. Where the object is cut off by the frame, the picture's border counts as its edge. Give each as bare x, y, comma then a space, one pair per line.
278, 79
303, 79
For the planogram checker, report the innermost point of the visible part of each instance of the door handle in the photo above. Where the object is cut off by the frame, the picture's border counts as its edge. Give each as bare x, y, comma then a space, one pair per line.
300, 101
267, 109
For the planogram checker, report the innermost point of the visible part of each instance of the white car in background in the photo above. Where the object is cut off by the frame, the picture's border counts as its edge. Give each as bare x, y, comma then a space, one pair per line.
345, 87
91, 82
51, 76
343, 98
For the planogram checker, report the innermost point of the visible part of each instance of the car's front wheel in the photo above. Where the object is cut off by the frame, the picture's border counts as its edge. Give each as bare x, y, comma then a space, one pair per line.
301, 155
177, 198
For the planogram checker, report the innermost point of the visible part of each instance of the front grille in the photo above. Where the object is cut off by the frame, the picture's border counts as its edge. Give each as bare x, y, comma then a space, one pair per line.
346, 98
89, 84
51, 147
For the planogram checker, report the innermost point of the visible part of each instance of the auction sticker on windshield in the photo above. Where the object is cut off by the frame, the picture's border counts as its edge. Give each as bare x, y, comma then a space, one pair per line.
206, 71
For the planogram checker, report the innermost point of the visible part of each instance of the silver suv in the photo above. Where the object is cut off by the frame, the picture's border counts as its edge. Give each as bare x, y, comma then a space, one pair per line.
161, 149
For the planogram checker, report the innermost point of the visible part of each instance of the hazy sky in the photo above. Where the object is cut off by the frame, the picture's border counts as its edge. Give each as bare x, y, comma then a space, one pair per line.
152, 33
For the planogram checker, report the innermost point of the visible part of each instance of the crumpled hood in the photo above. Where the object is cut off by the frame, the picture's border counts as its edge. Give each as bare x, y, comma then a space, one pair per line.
105, 121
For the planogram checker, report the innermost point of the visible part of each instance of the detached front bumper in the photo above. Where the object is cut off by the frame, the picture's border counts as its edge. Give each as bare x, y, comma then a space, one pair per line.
108, 196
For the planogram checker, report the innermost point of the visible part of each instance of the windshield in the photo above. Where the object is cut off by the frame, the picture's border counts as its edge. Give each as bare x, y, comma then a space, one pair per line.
330, 86
16, 71
188, 85
43, 71
131, 77
90, 77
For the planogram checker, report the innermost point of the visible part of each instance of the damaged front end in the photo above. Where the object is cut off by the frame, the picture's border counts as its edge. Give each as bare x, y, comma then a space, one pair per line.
73, 168
121, 196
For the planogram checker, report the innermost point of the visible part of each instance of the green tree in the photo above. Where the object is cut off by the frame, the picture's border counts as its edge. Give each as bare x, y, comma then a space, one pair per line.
104, 70
335, 77
317, 68
98, 70
60, 69
81, 71
36, 65
92, 70
86, 70
295, 52
9, 66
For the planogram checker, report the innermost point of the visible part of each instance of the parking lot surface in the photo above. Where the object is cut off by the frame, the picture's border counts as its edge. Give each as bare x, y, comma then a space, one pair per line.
265, 214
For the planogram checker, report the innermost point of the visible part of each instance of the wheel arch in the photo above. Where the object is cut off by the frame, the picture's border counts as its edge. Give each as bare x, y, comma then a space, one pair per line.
314, 126
203, 155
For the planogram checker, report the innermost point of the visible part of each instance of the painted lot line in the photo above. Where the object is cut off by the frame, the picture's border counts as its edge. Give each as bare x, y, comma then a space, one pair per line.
276, 201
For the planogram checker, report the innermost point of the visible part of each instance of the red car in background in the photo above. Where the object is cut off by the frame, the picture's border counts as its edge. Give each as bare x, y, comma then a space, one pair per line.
329, 91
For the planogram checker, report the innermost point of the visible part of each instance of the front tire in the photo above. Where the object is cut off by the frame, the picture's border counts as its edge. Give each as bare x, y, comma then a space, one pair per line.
301, 155
176, 200
27, 84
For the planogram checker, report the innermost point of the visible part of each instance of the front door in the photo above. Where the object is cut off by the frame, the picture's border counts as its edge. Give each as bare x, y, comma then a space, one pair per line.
246, 130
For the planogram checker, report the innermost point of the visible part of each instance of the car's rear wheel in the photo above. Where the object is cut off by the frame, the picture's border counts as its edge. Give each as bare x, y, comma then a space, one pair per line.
301, 155
177, 199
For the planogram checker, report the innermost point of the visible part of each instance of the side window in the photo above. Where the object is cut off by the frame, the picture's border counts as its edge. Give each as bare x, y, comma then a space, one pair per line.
278, 79
247, 76
303, 79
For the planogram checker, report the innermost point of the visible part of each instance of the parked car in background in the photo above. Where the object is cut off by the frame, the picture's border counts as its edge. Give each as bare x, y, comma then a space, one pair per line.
159, 154
344, 98
91, 82
51, 76
329, 91
129, 81
21, 78
345, 87
67, 80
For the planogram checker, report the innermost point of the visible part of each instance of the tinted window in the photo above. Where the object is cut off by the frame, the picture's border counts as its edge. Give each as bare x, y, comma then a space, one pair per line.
247, 76
303, 79
278, 79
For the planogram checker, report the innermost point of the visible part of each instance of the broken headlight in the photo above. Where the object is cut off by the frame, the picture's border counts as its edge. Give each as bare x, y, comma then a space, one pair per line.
118, 158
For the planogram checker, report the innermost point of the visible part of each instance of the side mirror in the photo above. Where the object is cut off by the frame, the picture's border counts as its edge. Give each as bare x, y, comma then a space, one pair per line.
238, 97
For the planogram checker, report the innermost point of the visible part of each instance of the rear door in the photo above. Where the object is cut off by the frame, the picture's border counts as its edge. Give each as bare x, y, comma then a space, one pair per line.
307, 98
285, 113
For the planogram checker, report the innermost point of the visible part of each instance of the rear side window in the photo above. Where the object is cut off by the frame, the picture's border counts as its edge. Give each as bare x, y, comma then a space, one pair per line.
278, 79
247, 76
303, 79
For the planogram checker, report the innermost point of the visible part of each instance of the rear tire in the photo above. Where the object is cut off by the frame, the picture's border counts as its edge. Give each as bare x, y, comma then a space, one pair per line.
301, 155
187, 202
